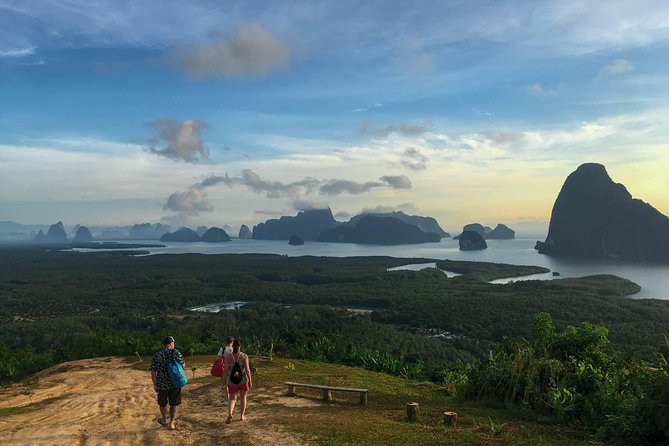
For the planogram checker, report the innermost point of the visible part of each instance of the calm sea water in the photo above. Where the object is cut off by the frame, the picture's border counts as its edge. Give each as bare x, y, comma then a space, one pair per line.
654, 279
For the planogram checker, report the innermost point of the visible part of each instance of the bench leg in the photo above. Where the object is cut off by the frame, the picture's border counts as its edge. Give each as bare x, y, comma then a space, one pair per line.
291, 390
363, 398
327, 395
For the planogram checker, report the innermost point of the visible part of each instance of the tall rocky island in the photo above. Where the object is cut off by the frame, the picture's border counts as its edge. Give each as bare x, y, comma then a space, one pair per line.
307, 225
595, 217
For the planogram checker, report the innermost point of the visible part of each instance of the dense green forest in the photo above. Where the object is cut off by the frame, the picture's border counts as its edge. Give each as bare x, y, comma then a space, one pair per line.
53, 301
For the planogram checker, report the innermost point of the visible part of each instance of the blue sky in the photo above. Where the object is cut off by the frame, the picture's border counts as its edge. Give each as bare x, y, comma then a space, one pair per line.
214, 113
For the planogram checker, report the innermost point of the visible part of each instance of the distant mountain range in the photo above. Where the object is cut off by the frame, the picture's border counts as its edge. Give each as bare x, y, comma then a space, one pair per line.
10, 230
310, 225
425, 224
307, 225
385, 229
501, 232
212, 235
373, 230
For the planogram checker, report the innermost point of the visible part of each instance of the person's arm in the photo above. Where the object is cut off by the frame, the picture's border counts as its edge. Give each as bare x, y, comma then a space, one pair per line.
154, 372
248, 369
154, 378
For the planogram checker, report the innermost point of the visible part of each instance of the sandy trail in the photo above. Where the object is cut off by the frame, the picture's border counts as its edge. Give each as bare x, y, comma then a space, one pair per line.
104, 401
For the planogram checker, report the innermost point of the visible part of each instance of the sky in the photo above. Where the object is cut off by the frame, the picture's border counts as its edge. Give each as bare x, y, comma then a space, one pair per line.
227, 113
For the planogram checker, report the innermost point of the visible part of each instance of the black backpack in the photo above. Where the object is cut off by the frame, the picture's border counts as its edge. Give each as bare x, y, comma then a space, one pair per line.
236, 374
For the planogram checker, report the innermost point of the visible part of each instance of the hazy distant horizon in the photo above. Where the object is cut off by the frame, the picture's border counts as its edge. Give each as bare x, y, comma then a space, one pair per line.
523, 231
211, 113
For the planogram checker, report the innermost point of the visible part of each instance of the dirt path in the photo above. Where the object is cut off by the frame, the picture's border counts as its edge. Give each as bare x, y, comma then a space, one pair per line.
104, 401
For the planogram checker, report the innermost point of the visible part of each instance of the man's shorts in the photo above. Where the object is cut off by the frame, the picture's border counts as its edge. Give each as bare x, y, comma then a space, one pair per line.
234, 388
173, 396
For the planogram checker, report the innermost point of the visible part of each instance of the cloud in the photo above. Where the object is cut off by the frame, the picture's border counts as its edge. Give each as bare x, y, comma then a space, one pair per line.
381, 209
306, 205
342, 215
276, 189
176, 221
338, 187
364, 109
405, 129
539, 91
250, 179
618, 67
253, 51
18, 52
189, 202
267, 212
413, 159
397, 182
180, 140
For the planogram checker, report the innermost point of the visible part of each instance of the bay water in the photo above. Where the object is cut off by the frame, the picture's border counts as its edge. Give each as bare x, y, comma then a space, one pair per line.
653, 278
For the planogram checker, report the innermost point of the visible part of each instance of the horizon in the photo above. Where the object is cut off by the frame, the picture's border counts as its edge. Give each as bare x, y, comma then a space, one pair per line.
527, 232
204, 114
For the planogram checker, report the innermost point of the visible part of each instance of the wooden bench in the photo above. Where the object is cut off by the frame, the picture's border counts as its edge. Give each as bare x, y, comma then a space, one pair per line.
327, 391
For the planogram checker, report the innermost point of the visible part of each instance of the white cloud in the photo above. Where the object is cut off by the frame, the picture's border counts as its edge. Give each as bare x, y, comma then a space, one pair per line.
538, 90
618, 67
564, 27
385, 209
17, 52
308, 205
189, 202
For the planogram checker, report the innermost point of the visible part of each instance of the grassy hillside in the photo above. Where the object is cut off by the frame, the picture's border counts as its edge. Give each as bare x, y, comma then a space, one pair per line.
382, 421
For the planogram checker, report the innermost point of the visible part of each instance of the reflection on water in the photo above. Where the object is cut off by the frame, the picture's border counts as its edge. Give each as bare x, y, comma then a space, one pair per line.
654, 279
422, 266
216, 308
540, 276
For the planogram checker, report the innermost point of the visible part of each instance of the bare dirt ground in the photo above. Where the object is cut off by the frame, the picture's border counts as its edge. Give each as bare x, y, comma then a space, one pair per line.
104, 401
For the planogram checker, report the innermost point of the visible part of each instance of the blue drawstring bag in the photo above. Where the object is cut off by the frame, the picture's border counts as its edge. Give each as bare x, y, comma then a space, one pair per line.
177, 374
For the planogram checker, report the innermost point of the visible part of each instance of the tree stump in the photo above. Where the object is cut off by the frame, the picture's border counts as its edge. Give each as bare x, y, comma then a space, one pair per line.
450, 418
412, 411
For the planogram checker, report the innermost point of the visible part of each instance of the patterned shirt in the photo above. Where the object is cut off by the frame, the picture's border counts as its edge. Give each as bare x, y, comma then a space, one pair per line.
159, 364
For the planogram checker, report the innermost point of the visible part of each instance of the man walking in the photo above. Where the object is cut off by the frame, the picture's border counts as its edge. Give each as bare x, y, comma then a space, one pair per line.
167, 392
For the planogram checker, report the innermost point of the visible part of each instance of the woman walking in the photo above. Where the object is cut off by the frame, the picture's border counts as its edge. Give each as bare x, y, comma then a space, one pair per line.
238, 376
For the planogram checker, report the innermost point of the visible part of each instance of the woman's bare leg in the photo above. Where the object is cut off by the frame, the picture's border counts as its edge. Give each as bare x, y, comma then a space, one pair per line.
242, 405
231, 406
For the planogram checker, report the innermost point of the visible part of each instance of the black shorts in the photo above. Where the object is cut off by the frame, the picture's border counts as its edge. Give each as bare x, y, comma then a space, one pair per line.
171, 395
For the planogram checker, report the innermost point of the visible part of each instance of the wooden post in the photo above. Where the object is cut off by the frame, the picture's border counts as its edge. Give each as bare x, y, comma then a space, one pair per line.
327, 395
450, 418
363, 398
291, 390
412, 411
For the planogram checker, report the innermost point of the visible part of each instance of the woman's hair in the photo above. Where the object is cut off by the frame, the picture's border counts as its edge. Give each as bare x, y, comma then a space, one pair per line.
235, 346
229, 340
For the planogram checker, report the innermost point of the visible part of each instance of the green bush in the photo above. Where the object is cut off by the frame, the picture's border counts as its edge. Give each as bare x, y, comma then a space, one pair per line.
572, 376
